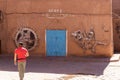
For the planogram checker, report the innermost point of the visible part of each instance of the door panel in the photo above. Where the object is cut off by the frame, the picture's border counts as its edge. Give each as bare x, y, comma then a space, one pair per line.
56, 42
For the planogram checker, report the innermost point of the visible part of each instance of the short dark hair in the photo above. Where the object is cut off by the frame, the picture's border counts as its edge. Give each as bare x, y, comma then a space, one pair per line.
20, 43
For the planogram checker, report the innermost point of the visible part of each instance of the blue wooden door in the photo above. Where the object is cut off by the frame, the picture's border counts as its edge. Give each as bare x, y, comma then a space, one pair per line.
56, 43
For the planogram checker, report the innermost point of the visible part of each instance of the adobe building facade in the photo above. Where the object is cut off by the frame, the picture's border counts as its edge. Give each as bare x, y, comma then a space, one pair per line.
57, 27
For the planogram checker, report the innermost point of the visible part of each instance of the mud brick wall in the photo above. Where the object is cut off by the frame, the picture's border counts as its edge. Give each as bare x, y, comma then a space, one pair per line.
92, 17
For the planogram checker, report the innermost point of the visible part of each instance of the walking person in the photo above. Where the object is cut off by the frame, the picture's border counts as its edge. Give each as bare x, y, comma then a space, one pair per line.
20, 55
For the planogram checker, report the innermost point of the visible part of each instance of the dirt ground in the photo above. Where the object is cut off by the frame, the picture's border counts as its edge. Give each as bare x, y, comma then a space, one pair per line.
62, 68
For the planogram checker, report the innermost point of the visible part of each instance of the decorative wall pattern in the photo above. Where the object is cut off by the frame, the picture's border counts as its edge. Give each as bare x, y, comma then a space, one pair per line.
87, 40
27, 36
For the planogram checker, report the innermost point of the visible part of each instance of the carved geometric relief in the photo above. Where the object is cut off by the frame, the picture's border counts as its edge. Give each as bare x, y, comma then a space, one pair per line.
27, 36
87, 40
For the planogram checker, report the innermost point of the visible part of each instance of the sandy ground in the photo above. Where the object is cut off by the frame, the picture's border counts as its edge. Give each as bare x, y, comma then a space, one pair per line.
60, 68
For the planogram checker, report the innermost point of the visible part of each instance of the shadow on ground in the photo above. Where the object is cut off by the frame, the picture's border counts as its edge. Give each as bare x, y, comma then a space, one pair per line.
58, 65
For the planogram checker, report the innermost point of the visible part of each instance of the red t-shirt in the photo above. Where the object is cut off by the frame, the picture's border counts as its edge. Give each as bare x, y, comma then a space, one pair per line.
21, 54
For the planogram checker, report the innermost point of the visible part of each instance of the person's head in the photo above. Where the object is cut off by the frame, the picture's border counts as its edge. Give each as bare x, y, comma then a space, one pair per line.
20, 44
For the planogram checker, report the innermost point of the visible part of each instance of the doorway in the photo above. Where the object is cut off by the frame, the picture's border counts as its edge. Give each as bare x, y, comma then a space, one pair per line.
56, 42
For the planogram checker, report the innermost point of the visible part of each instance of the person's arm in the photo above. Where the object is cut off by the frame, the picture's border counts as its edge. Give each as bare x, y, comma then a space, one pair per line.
15, 58
27, 54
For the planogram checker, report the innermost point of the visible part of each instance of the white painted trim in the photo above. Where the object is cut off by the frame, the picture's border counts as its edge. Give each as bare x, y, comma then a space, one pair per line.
45, 44
66, 42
